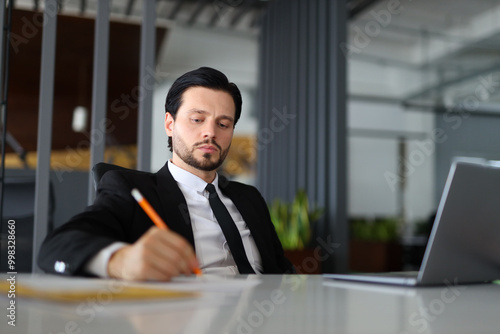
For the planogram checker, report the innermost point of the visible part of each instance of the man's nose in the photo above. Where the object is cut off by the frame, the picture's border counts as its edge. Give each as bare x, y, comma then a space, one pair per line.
209, 130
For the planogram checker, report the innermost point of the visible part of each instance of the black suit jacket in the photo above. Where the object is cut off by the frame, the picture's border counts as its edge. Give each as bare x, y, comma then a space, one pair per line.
115, 216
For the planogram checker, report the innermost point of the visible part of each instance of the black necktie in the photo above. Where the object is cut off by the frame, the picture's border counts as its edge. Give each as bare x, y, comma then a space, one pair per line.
230, 231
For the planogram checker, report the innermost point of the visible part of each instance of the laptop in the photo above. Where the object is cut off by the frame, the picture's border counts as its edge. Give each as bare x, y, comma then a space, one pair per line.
464, 244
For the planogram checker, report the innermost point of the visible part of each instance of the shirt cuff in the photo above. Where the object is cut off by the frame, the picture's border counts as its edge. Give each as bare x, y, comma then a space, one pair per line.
98, 264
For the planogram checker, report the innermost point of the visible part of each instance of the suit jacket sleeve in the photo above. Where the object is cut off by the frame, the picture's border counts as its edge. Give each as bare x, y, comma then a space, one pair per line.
115, 216
109, 219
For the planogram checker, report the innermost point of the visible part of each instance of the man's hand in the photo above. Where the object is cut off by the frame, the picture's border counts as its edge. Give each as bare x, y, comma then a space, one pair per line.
157, 255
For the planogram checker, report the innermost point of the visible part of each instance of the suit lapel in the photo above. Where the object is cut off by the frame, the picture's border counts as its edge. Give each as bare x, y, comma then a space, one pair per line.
242, 203
174, 208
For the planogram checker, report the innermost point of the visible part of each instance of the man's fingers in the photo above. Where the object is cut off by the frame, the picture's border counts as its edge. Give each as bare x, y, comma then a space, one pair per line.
172, 248
157, 255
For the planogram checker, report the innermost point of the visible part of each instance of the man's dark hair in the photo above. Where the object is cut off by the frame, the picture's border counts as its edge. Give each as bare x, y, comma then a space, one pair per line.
202, 77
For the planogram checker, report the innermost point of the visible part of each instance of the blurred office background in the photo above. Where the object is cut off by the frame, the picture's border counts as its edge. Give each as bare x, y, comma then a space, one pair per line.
362, 103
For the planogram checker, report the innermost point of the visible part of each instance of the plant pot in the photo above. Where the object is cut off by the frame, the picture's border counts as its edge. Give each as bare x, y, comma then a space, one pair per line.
375, 256
305, 260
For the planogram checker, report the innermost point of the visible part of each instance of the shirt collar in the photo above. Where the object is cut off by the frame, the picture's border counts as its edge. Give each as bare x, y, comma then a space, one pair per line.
190, 180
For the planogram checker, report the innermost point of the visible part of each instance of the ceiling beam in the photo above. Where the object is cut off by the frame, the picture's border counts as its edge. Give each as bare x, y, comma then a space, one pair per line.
241, 11
175, 10
456, 108
257, 16
447, 83
197, 12
83, 6
215, 17
356, 7
130, 6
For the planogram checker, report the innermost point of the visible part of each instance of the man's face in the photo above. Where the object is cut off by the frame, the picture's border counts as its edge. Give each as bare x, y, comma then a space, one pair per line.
203, 129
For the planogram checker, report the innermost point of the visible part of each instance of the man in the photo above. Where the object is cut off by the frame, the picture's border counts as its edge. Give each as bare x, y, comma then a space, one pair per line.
115, 238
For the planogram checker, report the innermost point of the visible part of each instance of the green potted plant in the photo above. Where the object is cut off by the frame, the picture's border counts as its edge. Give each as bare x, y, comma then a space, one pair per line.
293, 222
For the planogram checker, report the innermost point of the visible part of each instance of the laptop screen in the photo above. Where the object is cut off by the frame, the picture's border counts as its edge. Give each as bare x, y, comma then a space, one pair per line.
464, 245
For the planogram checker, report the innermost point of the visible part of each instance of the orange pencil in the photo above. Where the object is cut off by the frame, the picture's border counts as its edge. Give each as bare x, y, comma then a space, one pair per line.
153, 215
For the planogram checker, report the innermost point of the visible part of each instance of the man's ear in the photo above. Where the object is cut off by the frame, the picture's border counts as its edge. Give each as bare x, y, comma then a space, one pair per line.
169, 124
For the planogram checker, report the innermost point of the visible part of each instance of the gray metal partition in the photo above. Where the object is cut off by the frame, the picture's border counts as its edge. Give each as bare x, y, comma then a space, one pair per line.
44, 141
99, 102
302, 114
99, 89
146, 82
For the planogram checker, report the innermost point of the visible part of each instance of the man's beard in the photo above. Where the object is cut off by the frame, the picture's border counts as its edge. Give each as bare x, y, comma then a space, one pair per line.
205, 164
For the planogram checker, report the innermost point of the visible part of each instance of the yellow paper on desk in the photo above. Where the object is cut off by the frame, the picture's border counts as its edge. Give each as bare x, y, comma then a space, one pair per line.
121, 291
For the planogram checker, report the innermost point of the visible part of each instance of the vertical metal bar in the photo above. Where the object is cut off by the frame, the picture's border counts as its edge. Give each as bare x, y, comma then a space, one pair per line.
263, 82
99, 90
262, 145
337, 135
274, 152
313, 113
3, 109
292, 127
278, 142
282, 171
321, 131
2, 41
273, 98
302, 114
312, 110
146, 83
401, 193
269, 102
45, 112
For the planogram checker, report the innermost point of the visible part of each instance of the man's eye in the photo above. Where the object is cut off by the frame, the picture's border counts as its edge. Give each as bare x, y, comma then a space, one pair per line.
196, 120
222, 125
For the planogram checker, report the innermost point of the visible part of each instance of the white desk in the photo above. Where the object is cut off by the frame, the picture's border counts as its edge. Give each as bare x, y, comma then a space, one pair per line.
278, 304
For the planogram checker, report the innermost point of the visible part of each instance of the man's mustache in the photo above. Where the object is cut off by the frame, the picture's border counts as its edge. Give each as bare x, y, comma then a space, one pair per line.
208, 141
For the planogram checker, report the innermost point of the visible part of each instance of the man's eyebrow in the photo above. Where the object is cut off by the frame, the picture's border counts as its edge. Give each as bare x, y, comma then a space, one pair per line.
201, 111
229, 118
197, 111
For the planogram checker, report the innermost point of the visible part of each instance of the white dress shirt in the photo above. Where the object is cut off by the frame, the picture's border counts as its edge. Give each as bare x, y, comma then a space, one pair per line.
212, 250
